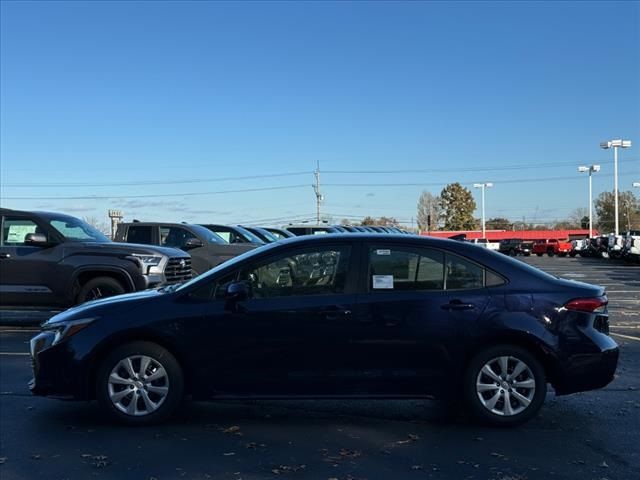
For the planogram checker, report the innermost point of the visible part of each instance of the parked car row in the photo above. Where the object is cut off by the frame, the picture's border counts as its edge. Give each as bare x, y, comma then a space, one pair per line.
550, 247
626, 246
52, 260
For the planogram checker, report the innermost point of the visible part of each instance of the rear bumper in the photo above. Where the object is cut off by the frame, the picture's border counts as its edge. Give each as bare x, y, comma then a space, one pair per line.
588, 371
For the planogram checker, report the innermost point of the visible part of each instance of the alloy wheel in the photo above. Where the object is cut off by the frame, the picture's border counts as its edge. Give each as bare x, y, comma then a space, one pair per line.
505, 386
138, 385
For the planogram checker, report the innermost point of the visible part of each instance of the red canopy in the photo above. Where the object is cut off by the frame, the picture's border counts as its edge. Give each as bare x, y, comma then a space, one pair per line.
497, 235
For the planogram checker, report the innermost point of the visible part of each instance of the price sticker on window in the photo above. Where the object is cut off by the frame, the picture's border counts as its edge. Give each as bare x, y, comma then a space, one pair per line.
382, 282
383, 252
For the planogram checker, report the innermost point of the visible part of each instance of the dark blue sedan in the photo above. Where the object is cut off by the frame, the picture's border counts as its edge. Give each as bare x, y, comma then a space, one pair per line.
349, 315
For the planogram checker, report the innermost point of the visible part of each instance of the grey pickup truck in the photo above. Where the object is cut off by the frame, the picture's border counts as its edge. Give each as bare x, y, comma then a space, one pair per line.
205, 247
51, 260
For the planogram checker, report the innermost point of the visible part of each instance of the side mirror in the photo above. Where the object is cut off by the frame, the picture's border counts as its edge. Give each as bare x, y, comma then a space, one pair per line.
36, 240
193, 243
237, 292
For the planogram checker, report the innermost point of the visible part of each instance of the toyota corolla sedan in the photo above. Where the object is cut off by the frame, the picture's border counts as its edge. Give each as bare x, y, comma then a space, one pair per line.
350, 315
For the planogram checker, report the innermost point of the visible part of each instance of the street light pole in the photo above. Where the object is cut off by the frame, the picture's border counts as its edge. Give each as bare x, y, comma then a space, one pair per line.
590, 169
615, 144
482, 186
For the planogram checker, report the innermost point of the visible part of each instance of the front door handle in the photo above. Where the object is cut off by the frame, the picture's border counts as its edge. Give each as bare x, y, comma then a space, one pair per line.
336, 314
5, 255
457, 305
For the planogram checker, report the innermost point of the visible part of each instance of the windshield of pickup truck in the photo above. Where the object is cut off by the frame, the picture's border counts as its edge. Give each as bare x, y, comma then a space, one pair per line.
75, 230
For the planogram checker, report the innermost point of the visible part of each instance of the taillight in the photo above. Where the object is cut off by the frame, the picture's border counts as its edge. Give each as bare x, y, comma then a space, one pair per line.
591, 304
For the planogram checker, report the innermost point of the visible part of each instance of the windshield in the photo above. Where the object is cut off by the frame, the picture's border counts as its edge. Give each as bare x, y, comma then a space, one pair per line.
207, 235
75, 230
249, 236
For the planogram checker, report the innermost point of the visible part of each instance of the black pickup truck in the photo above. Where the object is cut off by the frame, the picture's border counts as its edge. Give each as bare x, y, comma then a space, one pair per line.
51, 260
206, 248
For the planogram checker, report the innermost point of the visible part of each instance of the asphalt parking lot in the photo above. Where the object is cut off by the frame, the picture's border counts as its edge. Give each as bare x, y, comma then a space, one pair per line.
592, 435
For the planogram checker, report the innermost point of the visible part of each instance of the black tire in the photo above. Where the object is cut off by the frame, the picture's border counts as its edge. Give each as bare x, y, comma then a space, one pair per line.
174, 383
550, 252
572, 254
100, 287
539, 254
472, 397
512, 253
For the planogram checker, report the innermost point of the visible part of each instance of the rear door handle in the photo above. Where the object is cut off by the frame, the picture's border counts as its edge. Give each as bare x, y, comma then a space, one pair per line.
5, 255
457, 305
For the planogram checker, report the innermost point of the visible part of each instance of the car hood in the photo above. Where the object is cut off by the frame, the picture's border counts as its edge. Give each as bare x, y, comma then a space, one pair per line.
129, 248
114, 305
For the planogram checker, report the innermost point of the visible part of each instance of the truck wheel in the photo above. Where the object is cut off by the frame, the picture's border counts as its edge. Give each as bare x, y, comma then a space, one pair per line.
550, 252
139, 383
505, 385
572, 254
512, 253
100, 287
539, 254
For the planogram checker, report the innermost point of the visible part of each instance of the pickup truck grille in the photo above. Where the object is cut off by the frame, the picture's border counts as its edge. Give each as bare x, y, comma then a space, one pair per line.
177, 270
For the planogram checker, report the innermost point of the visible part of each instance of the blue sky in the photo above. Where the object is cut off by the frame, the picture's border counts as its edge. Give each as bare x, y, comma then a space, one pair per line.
173, 98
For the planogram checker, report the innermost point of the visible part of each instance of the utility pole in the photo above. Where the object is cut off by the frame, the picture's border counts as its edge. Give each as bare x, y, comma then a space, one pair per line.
316, 189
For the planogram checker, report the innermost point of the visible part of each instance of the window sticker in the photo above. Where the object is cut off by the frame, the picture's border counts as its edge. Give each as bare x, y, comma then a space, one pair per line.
18, 233
383, 252
382, 282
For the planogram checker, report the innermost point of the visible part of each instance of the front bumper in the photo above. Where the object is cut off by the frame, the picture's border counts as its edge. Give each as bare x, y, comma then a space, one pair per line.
55, 373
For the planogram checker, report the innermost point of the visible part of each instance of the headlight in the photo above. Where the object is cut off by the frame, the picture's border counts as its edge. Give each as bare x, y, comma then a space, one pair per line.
67, 329
147, 262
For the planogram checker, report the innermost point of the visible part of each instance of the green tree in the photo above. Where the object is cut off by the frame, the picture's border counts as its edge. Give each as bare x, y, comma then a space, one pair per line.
498, 223
628, 211
428, 211
382, 221
457, 206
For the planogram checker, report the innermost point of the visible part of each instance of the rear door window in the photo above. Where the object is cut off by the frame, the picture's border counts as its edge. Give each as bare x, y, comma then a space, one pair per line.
140, 234
401, 268
463, 274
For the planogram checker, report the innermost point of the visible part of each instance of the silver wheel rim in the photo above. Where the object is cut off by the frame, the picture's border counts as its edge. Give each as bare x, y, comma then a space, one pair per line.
138, 385
505, 386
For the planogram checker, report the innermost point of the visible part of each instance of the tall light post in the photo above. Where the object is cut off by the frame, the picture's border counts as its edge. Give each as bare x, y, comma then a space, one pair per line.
482, 186
591, 169
615, 144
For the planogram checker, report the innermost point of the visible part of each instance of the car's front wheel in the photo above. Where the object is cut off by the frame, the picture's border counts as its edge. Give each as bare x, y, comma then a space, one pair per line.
139, 383
505, 385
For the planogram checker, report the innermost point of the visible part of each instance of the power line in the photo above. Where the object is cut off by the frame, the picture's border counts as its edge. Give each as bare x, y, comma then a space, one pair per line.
300, 173
156, 195
155, 182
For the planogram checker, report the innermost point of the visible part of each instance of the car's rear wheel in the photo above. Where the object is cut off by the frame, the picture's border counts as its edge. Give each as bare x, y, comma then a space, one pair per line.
139, 383
505, 385
100, 287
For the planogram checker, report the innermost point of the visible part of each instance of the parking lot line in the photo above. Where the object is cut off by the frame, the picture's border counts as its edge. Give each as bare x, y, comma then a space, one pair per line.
628, 337
14, 353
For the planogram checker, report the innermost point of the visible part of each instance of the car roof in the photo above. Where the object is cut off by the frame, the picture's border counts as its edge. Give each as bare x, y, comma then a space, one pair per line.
38, 213
153, 224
